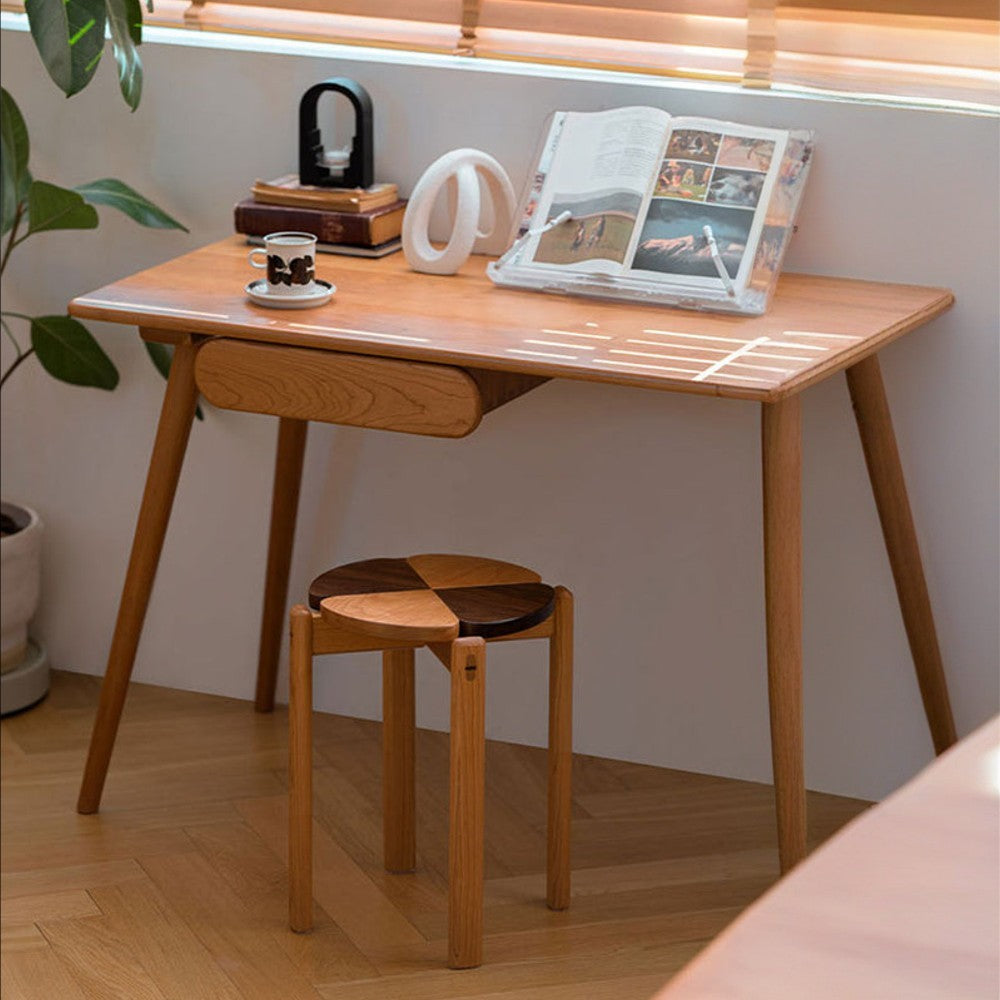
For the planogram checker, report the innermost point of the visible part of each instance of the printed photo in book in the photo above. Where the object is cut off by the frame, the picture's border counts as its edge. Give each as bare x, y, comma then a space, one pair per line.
695, 205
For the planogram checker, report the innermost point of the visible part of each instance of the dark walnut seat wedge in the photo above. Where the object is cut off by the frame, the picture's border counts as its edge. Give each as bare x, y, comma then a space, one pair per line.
453, 605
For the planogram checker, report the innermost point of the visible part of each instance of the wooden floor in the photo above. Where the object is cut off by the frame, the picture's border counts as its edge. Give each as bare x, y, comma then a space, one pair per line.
177, 891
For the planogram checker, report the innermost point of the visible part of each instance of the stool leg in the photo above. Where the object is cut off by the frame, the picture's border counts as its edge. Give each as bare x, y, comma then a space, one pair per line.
399, 836
466, 803
560, 750
300, 771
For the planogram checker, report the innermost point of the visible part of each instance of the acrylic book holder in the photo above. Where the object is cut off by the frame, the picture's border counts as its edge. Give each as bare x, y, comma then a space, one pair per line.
774, 222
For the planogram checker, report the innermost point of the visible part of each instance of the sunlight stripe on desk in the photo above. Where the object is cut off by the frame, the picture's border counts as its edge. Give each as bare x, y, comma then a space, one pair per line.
554, 343
573, 333
730, 359
134, 307
779, 357
360, 333
798, 347
740, 378
695, 336
706, 361
737, 340
715, 350
542, 354
812, 333
661, 357
677, 347
685, 371
637, 364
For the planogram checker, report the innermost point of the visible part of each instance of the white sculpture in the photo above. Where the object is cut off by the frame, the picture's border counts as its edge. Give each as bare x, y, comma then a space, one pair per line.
463, 168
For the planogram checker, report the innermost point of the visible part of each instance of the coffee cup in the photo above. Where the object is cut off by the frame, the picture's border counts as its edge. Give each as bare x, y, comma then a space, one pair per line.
289, 259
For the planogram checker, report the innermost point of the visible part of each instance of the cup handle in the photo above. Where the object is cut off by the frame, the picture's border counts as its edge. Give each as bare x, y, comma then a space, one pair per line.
254, 263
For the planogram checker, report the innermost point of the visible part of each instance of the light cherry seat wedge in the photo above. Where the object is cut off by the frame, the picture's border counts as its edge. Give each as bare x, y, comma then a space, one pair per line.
453, 605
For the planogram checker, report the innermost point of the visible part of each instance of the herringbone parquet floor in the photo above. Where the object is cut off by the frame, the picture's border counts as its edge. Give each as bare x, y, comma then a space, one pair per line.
177, 891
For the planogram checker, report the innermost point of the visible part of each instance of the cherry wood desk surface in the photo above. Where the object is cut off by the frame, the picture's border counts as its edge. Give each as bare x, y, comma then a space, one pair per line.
902, 904
814, 328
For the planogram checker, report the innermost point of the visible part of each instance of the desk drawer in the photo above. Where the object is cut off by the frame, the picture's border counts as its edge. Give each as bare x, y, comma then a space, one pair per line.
336, 388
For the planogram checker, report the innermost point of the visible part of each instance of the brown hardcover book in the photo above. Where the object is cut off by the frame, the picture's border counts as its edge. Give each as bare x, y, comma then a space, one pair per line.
288, 191
359, 228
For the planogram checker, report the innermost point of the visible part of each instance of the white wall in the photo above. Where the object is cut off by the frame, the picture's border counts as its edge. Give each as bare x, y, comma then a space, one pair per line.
647, 504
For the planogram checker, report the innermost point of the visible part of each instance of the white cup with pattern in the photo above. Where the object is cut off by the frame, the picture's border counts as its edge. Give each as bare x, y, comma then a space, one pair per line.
289, 259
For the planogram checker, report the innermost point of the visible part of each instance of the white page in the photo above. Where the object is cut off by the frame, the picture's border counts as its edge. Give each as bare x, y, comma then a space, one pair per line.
598, 167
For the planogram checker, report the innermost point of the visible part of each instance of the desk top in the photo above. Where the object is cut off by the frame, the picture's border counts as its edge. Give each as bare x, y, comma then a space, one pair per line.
902, 903
814, 327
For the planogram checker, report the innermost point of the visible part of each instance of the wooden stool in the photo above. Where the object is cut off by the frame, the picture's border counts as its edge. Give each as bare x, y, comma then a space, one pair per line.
453, 605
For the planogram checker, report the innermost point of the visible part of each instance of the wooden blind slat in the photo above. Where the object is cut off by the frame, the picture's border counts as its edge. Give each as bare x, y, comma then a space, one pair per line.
979, 10
609, 20
470, 22
307, 23
760, 43
961, 43
407, 11
582, 8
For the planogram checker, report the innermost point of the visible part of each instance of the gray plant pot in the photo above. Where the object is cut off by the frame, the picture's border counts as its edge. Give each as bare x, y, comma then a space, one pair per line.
24, 671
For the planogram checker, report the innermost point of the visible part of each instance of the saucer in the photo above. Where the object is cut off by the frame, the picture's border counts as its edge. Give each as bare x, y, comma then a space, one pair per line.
257, 292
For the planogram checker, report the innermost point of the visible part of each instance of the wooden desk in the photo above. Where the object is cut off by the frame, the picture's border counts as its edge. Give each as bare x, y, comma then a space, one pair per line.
902, 903
430, 355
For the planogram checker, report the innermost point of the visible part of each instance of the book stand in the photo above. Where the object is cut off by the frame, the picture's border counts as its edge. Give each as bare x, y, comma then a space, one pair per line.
514, 268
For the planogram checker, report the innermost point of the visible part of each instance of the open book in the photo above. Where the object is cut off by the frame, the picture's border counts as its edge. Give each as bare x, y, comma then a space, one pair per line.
633, 203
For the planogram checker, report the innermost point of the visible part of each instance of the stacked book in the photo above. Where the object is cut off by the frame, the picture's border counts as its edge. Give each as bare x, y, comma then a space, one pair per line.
362, 222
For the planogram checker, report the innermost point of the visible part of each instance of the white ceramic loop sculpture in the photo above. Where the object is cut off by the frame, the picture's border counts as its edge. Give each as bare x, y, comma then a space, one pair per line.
464, 167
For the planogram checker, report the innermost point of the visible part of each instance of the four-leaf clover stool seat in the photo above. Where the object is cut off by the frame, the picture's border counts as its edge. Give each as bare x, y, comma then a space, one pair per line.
454, 605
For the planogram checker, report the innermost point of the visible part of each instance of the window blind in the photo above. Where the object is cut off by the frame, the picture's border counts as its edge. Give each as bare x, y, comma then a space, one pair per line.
946, 50
417, 25
915, 48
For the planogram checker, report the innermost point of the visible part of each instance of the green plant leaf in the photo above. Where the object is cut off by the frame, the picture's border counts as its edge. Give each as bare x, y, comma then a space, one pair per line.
69, 36
162, 356
125, 19
108, 191
53, 207
15, 132
134, 11
67, 351
14, 151
8, 200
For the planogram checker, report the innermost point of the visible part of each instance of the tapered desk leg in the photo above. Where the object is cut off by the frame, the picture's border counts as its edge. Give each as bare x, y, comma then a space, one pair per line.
782, 474
179, 403
284, 508
871, 409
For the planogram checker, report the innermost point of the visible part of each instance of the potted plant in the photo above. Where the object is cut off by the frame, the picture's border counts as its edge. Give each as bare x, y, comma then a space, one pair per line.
70, 38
